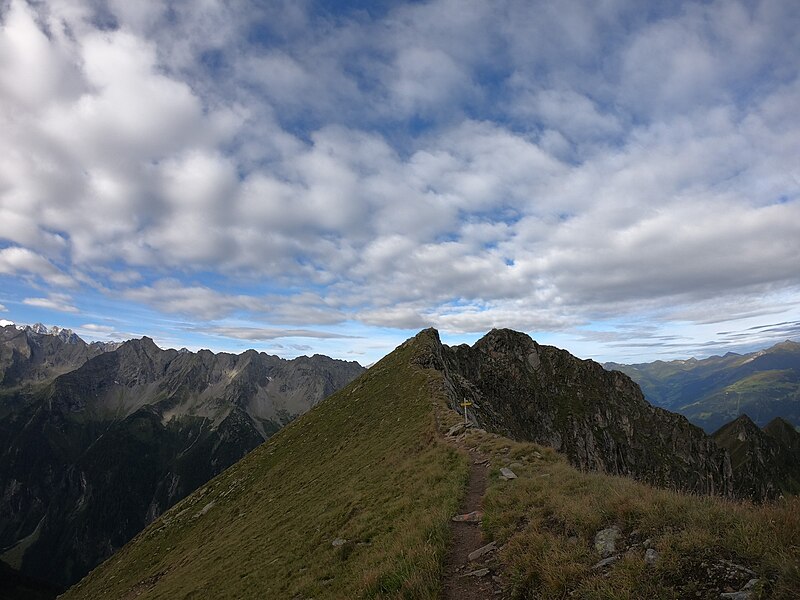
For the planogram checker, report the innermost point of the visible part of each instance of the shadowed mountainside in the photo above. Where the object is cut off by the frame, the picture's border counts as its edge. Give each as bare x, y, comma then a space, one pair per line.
766, 462
597, 418
91, 456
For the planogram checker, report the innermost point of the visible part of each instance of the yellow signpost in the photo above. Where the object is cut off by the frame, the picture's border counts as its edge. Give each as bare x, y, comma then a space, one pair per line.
465, 404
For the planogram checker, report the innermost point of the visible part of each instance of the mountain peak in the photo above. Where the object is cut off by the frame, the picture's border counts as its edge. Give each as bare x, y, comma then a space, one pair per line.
786, 346
65, 335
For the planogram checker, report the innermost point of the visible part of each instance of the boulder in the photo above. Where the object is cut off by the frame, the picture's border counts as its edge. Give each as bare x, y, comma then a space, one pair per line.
605, 541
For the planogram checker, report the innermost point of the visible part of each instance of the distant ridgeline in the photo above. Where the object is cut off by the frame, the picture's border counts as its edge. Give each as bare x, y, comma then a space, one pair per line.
714, 391
97, 440
600, 420
354, 498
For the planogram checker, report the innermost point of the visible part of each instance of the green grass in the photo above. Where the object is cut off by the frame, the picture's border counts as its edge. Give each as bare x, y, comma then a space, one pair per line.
547, 518
369, 465
366, 465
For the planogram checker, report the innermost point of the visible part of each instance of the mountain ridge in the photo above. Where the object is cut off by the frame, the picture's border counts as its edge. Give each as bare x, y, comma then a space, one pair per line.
125, 434
352, 500
598, 419
713, 391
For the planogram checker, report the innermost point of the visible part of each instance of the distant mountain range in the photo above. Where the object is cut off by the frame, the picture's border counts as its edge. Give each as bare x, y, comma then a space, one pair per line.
353, 499
97, 440
713, 391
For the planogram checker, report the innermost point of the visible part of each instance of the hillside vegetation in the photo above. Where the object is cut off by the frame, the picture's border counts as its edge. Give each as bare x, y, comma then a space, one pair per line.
716, 390
546, 519
370, 469
366, 466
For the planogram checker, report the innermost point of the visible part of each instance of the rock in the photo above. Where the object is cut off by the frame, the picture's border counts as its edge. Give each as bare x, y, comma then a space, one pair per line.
735, 567
205, 509
608, 424
482, 551
650, 557
456, 430
648, 543
507, 473
605, 562
338, 542
605, 541
746, 593
472, 517
479, 573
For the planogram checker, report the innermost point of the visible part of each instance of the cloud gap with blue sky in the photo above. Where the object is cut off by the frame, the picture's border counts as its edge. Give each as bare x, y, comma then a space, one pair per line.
617, 178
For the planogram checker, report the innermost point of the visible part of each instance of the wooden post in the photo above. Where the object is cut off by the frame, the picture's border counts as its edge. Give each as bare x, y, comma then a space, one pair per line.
465, 404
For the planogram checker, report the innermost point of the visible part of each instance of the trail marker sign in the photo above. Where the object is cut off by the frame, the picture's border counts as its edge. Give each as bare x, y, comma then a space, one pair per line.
465, 404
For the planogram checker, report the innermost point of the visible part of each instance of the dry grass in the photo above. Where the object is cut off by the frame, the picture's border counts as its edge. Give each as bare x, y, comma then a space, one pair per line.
367, 465
547, 519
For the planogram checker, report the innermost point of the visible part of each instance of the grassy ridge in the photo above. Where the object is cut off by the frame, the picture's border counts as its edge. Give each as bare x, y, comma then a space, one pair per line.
366, 466
547, 519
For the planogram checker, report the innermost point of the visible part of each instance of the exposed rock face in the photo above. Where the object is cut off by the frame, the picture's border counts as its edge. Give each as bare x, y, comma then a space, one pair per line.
765, 463
597, 418
29, 357
95, 454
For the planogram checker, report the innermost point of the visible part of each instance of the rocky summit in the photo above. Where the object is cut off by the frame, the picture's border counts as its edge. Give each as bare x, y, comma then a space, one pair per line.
766, 463
96, 444
599, 419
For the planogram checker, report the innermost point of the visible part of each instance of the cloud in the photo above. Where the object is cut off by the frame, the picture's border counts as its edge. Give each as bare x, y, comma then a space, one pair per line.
441, 163
3, 308
15, 260
262, 334
54, 301
170, 296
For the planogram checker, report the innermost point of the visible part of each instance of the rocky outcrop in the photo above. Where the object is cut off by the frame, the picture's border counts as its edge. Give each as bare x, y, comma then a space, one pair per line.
599, 419
33, 356
92, 456
766, 463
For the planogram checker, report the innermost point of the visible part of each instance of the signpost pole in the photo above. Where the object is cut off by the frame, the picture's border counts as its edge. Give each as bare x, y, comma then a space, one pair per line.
465, 404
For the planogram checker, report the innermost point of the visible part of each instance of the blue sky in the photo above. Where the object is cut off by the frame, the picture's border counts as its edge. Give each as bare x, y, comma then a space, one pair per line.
621, 179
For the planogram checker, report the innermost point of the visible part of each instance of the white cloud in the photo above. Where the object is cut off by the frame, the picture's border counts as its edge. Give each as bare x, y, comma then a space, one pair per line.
446, 163
199, 301
261, 333
15, 260
54, 301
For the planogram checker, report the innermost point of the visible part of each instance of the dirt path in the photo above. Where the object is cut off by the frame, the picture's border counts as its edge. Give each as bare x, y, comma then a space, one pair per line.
458, 583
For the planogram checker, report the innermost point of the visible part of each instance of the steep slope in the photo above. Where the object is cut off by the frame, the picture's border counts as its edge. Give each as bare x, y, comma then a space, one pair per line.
350, 500
32, 356
713, 391
765, 464
785, 434
667, 545
598, 419
101, 451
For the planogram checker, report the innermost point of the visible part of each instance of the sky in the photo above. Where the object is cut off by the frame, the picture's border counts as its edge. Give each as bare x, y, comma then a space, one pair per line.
620, 179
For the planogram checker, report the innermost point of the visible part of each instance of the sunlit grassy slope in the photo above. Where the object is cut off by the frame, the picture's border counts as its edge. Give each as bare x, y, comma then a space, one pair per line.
548, 516
366, 466
369, 466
